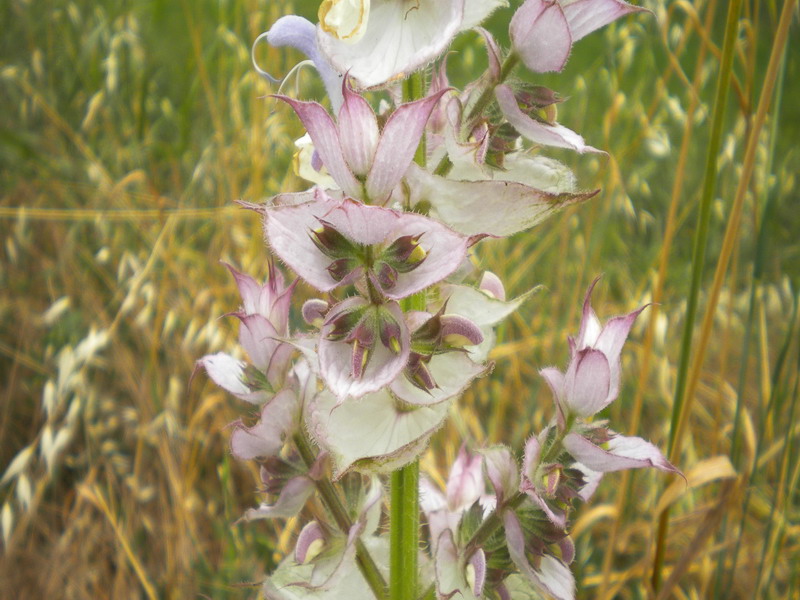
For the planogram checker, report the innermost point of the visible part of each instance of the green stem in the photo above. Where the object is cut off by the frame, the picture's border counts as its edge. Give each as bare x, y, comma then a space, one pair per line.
404, 533
404, 508
698, 258
366, 564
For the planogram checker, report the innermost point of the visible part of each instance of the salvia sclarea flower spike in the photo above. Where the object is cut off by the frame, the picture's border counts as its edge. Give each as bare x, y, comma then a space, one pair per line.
361, 391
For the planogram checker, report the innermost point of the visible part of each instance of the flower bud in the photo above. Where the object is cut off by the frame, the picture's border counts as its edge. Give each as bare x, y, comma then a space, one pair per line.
314, 312
405, 254
344, 322
537, 96
341, 268
363, 339
310, 543
330, 242
417, 372
458, 332
390, 333
386, 276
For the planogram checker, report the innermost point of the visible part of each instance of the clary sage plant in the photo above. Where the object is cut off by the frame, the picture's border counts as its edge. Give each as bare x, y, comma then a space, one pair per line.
403, 324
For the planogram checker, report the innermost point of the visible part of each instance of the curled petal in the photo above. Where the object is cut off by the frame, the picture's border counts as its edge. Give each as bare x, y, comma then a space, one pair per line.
555, 379
300, 33
540, 133
481, 309
460, 332
331, 568
530, 462
476, 571
529, 484
540, 34
502, 472
567, 548
309, 542
451, 572
492, 285
622, 452
465, 484
591, 480
314, 311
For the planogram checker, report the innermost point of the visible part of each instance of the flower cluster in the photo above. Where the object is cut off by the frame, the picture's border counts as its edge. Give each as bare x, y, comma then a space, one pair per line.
400, 323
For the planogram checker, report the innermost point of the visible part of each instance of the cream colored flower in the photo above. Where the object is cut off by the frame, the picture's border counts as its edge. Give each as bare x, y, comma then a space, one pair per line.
376, 41
345, 20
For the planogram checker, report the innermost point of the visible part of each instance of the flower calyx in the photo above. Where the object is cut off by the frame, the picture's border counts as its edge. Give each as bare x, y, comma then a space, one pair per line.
439, 334
363, 326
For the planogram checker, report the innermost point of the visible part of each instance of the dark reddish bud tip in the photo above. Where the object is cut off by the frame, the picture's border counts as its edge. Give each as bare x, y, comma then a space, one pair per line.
330, 242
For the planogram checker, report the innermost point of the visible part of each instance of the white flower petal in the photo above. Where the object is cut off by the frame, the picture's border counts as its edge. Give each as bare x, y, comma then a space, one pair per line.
400, 38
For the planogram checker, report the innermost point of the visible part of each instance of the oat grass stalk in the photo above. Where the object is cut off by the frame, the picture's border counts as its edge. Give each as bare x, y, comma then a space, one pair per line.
698, 257
663, 262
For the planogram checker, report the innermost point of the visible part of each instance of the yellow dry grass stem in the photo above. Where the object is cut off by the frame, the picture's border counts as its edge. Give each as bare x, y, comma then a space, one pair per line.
95, 496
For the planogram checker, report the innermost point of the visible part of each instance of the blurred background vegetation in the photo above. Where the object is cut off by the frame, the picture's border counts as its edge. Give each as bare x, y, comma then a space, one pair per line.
128, 128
